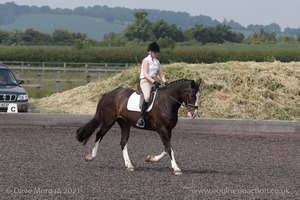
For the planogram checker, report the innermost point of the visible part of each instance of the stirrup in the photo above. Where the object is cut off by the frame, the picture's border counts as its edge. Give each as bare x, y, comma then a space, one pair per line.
140, 123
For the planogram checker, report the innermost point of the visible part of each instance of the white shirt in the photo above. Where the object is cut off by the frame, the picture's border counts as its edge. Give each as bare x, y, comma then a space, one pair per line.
153, 67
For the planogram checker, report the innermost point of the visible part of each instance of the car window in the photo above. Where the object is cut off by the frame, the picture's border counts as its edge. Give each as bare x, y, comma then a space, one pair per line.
7, 77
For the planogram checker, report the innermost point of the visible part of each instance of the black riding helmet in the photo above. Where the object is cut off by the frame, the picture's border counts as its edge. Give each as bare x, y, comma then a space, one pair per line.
153, 47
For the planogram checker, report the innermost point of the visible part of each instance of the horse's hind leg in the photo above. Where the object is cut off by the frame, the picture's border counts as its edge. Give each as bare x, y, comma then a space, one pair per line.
99, 136
92, 156
152, 158
124, 140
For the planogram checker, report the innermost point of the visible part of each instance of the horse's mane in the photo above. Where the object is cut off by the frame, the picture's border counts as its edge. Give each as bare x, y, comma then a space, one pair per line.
177, 81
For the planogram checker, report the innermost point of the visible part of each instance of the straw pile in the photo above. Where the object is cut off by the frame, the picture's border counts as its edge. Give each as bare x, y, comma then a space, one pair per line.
242, 90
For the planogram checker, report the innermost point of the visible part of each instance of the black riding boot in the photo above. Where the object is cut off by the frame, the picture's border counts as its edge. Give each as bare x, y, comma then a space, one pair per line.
141, 121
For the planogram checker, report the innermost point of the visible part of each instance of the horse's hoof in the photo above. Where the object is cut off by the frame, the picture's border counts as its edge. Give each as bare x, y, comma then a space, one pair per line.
89, 158
130, 169
178, 173
150, 158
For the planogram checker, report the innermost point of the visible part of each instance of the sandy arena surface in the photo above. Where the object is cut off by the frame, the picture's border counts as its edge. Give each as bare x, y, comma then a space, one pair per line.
48, 163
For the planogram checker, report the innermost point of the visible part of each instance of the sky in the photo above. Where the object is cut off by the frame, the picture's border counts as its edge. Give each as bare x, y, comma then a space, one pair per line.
285, 13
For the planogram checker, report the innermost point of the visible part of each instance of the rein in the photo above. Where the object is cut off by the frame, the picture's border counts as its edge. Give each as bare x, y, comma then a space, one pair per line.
170, 96
186, 105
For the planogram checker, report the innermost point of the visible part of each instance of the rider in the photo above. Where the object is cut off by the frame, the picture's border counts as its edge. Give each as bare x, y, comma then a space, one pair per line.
150, 67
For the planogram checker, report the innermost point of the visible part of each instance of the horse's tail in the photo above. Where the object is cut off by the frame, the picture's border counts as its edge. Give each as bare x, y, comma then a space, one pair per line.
85, 132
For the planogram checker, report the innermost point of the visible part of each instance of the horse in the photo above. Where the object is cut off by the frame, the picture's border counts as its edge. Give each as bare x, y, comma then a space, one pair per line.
162, 118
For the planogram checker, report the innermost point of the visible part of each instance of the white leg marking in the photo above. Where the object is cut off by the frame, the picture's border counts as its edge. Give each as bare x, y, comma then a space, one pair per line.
197, 100
151, 158
177, 171
196, 104
91, 157
95, 149
160, 156
127, 159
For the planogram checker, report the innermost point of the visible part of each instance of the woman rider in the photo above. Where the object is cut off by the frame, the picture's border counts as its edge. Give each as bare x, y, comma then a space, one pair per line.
150, 67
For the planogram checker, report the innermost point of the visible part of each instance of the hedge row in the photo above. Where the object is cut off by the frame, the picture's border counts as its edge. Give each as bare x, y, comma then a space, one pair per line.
135, 55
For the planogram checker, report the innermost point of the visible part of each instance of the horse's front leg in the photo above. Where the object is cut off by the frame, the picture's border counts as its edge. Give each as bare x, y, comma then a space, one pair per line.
165, 136
152, 158
177, 171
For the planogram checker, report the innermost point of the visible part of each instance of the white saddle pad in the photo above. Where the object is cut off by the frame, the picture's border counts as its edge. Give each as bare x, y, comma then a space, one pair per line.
134, 102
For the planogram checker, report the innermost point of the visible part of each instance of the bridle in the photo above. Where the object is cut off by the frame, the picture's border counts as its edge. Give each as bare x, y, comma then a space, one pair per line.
186, 104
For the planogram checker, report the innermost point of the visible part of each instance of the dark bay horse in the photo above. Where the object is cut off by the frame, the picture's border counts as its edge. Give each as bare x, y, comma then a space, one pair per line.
112, 107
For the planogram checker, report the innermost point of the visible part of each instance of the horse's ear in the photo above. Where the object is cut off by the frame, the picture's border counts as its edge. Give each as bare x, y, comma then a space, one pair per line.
193, 84
196, 84
199, 82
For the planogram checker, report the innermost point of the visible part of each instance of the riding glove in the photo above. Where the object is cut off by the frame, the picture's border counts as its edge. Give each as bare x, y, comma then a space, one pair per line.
157, 84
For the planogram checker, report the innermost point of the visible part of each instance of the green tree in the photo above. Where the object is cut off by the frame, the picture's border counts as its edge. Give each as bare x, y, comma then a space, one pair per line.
298, 37
188, 35
31, 36
4, 35
286, 39
162, 29
224, 34
166, 42
81, 44
14, 37
218, 34
261, 37
112, 39
140, 29
62, 37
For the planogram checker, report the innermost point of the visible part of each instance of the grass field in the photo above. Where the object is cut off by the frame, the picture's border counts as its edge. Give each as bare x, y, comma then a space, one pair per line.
50, 84
241, 90
193, 54
95, 28
243, 46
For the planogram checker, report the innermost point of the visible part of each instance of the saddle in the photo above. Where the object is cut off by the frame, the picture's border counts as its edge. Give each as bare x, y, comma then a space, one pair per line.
136, 99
